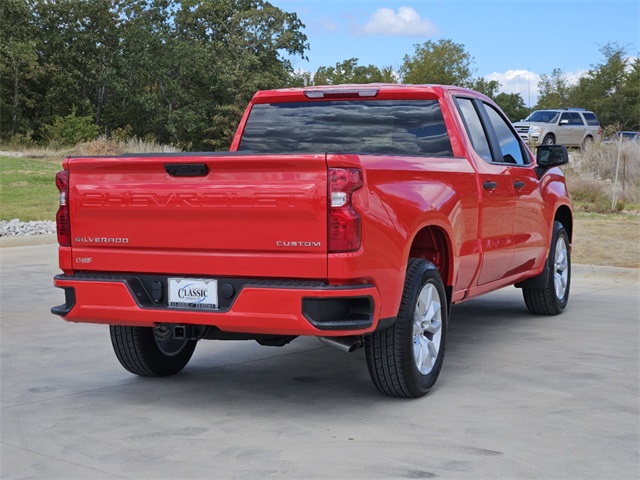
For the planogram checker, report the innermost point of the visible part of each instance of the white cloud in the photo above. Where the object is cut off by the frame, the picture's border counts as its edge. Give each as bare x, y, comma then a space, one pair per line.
407, 22
573, 77
524, 82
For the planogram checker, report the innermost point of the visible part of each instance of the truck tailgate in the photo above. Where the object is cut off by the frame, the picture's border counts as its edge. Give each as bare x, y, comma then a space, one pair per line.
207, 214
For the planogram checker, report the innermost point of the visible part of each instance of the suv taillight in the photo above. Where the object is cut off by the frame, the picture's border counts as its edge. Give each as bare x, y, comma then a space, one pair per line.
345, 227
62, 217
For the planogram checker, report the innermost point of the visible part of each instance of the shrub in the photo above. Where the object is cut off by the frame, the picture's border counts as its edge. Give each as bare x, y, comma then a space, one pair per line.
20, 141
71, 130
120, 135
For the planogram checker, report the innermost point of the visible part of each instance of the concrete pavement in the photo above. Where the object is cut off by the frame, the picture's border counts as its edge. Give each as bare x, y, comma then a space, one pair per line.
519, 397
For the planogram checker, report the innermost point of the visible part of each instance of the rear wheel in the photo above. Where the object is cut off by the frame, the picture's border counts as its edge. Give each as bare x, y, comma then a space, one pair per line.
587, 143
405, 359
553, 298
151, 352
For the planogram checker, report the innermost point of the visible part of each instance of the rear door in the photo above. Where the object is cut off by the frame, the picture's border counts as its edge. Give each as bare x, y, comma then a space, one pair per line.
206, 214
564, 134
578, 129
496, 190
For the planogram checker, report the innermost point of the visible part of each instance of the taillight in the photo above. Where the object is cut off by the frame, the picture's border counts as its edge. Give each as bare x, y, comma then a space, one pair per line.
62, 217
345, 227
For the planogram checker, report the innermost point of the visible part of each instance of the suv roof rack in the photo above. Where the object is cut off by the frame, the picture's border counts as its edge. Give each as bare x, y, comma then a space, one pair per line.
577, 109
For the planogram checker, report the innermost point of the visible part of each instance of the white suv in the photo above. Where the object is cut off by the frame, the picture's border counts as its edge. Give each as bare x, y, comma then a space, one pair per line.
573, 127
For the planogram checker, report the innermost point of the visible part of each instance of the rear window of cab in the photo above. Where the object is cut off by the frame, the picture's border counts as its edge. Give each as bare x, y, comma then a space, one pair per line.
393, 127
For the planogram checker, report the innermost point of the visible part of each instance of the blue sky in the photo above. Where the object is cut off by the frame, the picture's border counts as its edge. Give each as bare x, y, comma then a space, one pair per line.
512, 41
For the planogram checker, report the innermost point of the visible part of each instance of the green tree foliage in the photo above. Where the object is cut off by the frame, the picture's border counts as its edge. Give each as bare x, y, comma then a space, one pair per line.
611, 89
489, 88
555, 90
442, 62
18, 65
182, 71
630, 94
447, 63
602, 88
512, 105
71, 130
348, 71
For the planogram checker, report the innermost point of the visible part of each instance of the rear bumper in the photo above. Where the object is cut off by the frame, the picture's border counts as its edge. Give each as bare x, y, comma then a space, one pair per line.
259, 307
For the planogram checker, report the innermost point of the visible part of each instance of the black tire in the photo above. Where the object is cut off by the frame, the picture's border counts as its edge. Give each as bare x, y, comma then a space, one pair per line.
150, 352
549, 139
553, 297
391, 353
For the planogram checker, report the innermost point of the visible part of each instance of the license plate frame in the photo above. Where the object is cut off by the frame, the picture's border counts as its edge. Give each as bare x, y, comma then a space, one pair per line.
192, 293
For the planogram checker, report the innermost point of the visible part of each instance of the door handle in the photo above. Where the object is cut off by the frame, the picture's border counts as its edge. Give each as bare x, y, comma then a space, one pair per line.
518, 185
489, 185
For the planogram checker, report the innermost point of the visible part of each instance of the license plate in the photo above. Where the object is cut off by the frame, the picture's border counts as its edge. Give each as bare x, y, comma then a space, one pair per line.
193, 293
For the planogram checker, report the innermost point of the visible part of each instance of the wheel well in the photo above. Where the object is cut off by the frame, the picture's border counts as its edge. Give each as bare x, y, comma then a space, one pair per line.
431, 244
563, 215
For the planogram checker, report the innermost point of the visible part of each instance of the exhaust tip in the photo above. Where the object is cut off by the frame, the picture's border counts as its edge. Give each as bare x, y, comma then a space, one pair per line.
346, 344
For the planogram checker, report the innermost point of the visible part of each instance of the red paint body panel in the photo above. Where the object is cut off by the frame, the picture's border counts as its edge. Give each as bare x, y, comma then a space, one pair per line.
274, 311
265, 217
227, 222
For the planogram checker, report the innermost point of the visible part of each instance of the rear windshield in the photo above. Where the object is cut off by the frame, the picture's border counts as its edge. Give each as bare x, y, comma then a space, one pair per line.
397, 127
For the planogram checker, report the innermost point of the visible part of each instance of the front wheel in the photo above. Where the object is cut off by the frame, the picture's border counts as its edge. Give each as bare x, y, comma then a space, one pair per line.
553, 298
405, 359
549, 139
150, 352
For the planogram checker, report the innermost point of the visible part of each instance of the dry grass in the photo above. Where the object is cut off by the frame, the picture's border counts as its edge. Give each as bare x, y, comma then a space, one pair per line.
612, 240
102, 146
591, 177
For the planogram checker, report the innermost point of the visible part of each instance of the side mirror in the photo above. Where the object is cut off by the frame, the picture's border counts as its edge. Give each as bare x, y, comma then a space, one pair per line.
564, 122
552, 156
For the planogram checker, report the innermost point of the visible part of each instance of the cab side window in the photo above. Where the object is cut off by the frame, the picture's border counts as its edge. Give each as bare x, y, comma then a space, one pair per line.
576, 119
510, 146
474, 128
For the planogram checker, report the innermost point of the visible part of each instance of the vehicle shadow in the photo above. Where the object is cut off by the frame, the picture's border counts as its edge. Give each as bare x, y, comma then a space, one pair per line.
307, 373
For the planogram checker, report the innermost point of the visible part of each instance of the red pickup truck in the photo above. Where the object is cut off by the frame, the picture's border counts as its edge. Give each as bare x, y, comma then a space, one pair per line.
355, 213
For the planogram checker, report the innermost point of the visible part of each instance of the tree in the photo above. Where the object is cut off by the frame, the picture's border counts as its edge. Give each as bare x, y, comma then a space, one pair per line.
348, 71
442, 62
490, 88
18, 64
630, 94
512, 105
602, 88
78, 46
555, 91
226, 50
182, 71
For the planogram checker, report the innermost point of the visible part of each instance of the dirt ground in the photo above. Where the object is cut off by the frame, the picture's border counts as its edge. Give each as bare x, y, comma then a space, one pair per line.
612, 240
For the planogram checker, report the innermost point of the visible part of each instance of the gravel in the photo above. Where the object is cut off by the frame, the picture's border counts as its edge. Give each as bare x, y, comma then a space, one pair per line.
15, 227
